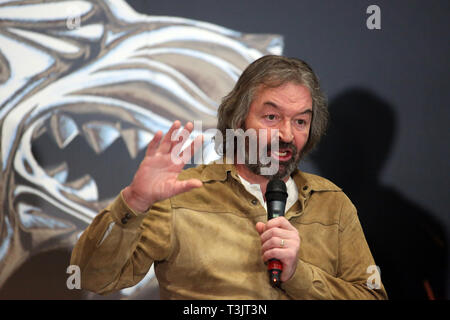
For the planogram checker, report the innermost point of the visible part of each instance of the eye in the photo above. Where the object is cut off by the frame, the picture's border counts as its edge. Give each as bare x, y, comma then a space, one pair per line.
300, 123
271, 117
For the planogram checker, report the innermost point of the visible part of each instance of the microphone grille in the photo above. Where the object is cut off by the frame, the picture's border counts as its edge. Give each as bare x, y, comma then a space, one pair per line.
276, 190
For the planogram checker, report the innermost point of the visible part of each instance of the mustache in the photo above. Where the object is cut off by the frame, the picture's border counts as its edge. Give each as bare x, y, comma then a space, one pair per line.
284, 145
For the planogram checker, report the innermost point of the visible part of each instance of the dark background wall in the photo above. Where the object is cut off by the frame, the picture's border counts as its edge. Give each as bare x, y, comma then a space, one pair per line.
388, 93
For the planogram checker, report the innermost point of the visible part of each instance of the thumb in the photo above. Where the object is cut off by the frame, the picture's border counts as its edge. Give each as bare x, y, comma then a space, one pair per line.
260, 227
186, 185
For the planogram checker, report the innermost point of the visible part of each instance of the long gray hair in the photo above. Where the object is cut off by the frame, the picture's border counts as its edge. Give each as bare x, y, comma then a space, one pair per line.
271, 71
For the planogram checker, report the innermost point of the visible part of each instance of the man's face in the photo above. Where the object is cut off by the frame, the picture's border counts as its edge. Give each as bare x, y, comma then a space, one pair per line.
287, 108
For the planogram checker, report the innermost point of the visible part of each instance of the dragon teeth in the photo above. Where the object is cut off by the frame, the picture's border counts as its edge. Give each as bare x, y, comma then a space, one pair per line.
100, 135
84, 188
59, 173
136, 140
64, 129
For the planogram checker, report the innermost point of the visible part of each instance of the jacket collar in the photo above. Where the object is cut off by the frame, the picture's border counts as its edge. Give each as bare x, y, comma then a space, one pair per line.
217, 171
310, 182
305, 182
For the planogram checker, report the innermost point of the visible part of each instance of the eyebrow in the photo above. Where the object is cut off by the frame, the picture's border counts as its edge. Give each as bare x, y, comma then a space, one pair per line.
273, 104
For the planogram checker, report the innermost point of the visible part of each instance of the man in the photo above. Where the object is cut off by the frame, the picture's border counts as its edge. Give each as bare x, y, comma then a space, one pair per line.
206, 228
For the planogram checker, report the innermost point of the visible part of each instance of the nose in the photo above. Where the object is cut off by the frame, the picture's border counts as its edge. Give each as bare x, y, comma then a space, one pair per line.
285, 132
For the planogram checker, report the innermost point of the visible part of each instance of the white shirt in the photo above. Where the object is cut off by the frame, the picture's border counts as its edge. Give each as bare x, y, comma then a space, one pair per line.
255, 190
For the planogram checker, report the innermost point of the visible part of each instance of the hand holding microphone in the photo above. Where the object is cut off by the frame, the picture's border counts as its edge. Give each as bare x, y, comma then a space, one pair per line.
280, 240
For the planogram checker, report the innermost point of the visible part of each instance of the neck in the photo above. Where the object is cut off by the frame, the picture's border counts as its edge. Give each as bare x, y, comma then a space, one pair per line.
254, 178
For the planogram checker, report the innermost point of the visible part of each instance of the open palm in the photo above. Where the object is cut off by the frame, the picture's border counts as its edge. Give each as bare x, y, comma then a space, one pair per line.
157, 176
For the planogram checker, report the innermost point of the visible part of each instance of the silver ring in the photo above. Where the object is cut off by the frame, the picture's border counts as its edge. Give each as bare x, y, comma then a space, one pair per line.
282, 243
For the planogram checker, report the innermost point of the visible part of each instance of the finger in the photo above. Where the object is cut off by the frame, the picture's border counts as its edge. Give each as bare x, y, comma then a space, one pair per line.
280, 222
180, 137
277, 232
186, 185
274, 242
197, 144
260, 227
166, 143
153, 144
192, 149
178, 156
276, 253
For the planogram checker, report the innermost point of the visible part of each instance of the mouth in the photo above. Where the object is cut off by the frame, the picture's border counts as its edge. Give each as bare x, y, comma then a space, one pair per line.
282, 155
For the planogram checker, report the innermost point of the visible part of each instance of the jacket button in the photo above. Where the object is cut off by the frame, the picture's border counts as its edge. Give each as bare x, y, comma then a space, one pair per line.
128, 216
124, 220
254, 202
305, 187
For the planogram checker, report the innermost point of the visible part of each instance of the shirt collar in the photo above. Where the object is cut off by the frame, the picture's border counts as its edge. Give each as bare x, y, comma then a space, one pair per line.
255, 190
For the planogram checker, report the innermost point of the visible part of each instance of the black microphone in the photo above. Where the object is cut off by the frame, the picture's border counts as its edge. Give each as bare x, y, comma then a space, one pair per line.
276, 196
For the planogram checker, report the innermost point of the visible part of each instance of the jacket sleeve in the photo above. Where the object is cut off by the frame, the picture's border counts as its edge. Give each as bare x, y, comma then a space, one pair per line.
356, 276
119, 246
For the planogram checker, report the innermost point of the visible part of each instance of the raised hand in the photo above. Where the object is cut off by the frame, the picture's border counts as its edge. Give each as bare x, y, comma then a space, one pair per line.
157, 176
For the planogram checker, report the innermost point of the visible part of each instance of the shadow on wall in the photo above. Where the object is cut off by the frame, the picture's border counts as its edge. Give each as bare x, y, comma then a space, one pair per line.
407, 243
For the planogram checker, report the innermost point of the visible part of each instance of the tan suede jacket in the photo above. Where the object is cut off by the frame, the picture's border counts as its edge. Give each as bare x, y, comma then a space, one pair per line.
205, 245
